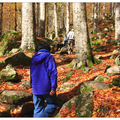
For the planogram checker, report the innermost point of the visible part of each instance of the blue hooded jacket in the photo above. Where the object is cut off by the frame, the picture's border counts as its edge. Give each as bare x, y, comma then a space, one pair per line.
43, 73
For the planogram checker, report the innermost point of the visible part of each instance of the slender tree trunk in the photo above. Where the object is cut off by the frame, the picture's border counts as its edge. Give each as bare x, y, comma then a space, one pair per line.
1, 12
19, 18
110, 8
15, 17
55, 15
113, 9
83, 55
9, 15
37, 18
68, 17
98, 10
27, 26
42, 19
95, 18
63, 17
117, 23
104, 11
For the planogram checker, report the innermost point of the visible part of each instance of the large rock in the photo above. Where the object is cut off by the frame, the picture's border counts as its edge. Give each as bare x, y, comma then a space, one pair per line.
17, 59
9, 73
9, 41
64, 50
25, 84
15, 97
83, 105
101, 78
115, 70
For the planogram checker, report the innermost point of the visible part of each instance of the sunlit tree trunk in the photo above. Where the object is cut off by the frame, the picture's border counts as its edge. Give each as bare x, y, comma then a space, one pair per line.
9, 15
83, 55
27, 26
104, 11
55, 15
117, 23
68, 17
98, 10
42, 19
1, 12
95, 18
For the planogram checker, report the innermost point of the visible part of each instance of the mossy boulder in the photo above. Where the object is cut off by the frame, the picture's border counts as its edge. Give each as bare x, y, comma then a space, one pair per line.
18, 58
9, 41
9, 73
101, 78
15, 97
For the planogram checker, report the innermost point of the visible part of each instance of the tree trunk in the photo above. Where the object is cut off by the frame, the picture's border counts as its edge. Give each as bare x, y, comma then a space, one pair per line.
42, 19
19, 17
104, 11
55, 14
117, 23
37, 17
27, 26
63, 16
98, 10
1, 12
68, 17
113, 9
83, 55
110, 8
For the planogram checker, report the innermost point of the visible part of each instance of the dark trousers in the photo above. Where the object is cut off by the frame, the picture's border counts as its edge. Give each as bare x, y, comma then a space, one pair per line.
59, 46
40, 110
70, 46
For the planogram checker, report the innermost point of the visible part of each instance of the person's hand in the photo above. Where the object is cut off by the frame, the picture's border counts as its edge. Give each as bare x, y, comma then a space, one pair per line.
52, 92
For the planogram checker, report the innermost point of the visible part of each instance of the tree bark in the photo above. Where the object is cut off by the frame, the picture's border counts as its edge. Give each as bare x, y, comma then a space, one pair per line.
83, 55
55, 15
68, 17
117, 23
15, 17
42, 19
104, 11
27, 26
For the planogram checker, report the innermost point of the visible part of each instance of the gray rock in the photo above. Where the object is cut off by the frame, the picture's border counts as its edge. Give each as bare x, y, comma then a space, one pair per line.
113, 70
9, 73
15, 97
101, 78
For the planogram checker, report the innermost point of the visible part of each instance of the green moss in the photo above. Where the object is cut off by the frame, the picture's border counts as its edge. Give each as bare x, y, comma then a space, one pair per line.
69, 75
95, 43
86, 89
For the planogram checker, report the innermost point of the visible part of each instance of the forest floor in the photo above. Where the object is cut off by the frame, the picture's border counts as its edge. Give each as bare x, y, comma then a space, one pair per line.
78, 76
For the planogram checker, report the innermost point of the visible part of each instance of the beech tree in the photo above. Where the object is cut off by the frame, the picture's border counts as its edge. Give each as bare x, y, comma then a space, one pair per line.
103, 10
27, 26
1, 7
9, 16
55, 19
117, 23
68, 17
42, 19
83, 55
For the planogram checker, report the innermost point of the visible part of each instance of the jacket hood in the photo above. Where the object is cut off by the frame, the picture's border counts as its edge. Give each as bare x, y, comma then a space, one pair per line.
39, 56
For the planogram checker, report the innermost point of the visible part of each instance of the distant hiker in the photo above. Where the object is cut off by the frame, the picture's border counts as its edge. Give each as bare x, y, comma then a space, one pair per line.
43, 81
65, 39
70, 38
59, 42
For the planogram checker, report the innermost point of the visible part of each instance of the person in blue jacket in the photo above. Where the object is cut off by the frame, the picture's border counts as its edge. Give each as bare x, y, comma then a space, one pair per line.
43, 75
